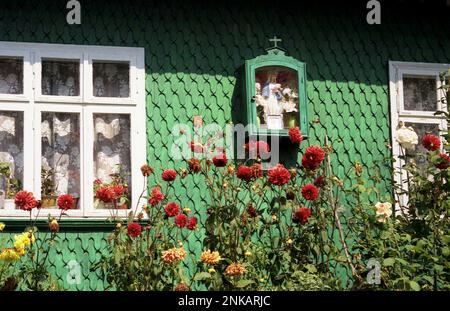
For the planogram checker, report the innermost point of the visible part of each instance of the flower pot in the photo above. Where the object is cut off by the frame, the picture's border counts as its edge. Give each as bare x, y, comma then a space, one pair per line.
49, 201
102, 205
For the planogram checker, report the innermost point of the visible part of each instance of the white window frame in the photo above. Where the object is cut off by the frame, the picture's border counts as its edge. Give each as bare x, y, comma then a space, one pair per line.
32, 103
396, 72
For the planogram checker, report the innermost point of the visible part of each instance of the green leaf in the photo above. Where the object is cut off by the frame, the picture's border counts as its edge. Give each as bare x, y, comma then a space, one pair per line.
244, 283
388, 262
414, 285
202, 276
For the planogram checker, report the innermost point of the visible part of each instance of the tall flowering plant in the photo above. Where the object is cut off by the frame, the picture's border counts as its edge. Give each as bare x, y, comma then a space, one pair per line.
146, 251
24, 263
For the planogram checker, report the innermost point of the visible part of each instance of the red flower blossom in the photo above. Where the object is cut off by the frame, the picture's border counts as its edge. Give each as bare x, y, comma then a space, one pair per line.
134, 229
98, 181
65, 202
146, 170
181, 221
25, 200
319, 181
192, 224
295, 135
314, 155
301, 215
172, 209
244, 173
156, 196
196, 147
256, 170
220, 160
279, 175
251, 211
105, 194
431, 142
119, 190
260, 148
444, 161
194, 165
169, 175
310, 192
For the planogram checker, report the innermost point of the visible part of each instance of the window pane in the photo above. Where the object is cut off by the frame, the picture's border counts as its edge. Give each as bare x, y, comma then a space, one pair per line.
420, 153
60, 174
112, 162
276, 97
420, 93
11, 75
60, 78
11, 154
111, 79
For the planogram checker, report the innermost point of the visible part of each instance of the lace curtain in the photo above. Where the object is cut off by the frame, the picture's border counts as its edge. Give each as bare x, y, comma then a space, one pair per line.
61, 150
61, 78
420, 93
11, 76
111, 146
419, 153
111, 79
11, 143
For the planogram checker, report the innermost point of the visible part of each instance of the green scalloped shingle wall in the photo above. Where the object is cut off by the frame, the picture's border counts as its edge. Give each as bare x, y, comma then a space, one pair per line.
193, 51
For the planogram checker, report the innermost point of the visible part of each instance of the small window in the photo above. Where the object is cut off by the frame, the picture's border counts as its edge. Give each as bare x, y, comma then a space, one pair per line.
420, 93
111, 79
11, 153
60, 159
112, 158
11, 75
60, 78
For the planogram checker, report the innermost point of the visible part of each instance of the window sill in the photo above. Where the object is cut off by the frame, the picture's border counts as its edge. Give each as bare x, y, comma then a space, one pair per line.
75, 224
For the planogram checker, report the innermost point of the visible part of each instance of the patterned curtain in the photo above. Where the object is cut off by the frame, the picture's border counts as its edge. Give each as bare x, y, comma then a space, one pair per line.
11, 143
11, 76
111, 145
61, 78
111, 79
61, 150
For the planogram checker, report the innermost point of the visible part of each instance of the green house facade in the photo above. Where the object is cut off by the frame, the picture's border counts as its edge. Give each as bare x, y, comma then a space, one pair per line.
131, 71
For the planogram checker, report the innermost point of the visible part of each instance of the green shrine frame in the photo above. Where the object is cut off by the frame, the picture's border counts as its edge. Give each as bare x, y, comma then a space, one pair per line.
275, 56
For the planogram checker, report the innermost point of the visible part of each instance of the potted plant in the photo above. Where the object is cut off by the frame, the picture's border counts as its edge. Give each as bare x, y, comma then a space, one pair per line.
48, 189
11, 186
113, 195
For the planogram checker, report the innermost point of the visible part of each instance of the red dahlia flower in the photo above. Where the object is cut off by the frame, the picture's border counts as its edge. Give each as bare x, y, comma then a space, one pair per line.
295, 135
220, 160
194, 165
260, 148
25, 200
444, 161
244, 173
192, 224
251, 211
134, 229
146, 170
431, 142
65, 202
172, 209
156, 196
105, 194
256, 170
279, 175
119, 190
314, 155
301, 215
169, 175
310, 192
181, 221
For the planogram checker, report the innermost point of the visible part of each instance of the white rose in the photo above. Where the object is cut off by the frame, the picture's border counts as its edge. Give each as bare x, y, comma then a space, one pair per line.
383, 211
406, 137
